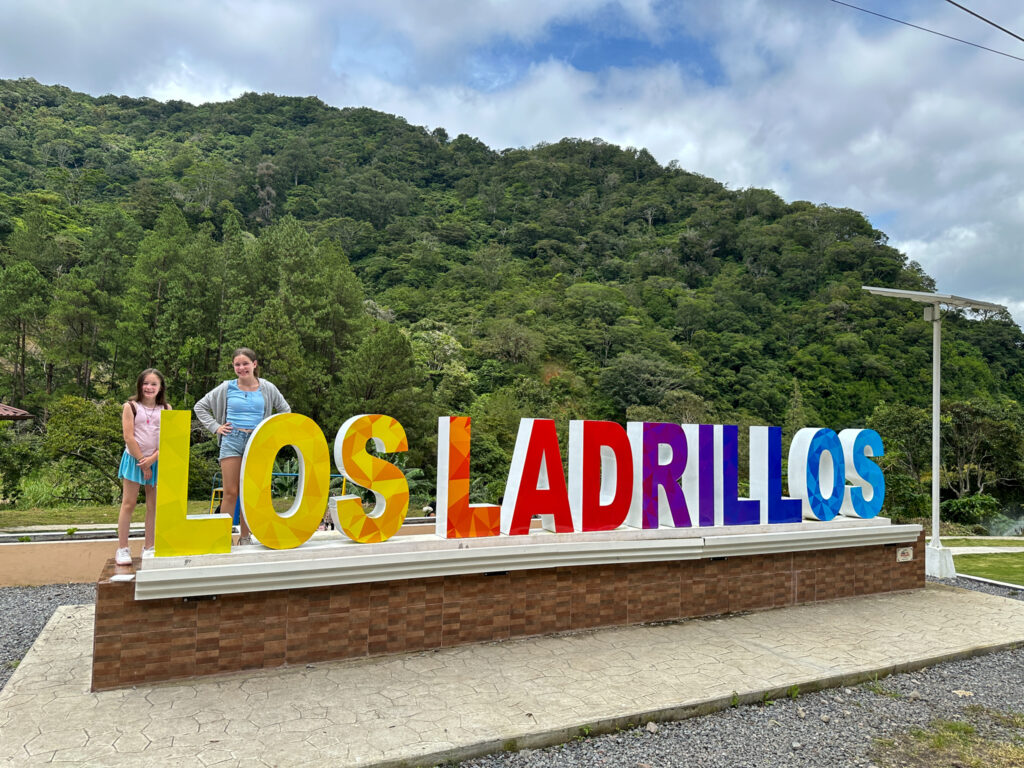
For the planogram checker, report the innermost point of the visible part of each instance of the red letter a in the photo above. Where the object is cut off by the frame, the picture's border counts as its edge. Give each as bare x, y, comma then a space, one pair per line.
536, 481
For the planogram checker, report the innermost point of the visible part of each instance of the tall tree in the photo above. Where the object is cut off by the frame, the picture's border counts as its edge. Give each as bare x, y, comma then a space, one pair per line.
24, 295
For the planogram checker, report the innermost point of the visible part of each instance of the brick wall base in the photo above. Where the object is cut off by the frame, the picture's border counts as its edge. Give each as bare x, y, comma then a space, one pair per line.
147, 641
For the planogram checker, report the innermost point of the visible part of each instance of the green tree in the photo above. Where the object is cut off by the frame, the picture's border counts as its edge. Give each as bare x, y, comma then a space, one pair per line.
20, 457
279, 350
906, 436
24, 294
632, 379
381, 376
798, 414
144, 330
982, 446
88, 435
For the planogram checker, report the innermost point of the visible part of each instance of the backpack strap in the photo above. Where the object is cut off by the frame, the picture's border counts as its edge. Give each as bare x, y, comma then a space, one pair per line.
132, 404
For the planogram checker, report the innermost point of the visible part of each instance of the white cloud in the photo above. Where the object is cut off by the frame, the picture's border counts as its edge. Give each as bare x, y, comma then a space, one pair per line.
814, 100
178, 80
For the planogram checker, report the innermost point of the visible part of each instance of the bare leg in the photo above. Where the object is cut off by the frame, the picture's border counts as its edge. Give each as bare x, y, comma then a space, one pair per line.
129, 495
231, 469
150, 516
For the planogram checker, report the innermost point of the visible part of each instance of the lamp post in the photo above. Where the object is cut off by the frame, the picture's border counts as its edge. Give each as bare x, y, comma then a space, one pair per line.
938, 559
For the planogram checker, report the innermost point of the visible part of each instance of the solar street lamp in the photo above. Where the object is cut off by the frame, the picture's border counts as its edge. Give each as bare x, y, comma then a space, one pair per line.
938, 559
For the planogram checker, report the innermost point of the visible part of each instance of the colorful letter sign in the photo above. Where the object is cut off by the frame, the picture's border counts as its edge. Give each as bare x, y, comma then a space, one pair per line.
817, 472
176, 532
387, 482
660, 458
648, 475
864, 497
293, 527
600, 475
456, 517
766, 478
536, 482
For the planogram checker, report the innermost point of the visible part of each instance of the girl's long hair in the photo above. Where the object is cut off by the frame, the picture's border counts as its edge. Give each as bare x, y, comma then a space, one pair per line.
161, 396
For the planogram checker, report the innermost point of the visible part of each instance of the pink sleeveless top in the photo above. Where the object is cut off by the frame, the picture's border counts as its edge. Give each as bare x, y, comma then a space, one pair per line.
147, 428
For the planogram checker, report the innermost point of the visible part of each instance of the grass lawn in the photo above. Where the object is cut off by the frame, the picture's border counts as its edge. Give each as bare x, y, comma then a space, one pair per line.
969, 743
982, 542
1007, 567
76, 516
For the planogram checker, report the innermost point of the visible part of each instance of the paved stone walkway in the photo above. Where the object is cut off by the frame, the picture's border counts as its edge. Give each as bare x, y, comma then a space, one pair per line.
424, 708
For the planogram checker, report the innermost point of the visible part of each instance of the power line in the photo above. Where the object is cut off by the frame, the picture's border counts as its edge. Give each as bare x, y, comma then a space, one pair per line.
925, 29
987, 21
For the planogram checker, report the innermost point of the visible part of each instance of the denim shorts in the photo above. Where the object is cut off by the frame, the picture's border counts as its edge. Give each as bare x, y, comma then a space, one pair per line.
233, 444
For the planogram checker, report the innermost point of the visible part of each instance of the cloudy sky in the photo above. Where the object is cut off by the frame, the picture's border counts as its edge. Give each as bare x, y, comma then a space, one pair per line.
813, 99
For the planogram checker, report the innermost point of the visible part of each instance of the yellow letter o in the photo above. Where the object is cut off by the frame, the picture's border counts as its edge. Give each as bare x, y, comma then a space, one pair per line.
294, 527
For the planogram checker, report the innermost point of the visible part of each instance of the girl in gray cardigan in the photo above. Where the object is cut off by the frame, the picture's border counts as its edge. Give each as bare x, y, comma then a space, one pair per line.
231, 411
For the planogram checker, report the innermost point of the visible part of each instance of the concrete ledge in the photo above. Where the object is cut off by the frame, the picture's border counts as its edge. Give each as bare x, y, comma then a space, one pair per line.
32, 564
140, 642
331, 560
35, 563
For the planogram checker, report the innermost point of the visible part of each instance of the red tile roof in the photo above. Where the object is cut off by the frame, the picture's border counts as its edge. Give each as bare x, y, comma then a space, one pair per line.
9, 412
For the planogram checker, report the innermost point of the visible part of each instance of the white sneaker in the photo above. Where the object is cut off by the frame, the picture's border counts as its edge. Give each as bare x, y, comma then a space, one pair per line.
123, 556
148, 552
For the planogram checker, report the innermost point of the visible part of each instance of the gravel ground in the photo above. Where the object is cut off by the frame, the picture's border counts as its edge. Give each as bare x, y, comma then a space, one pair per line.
25, 611
838, 727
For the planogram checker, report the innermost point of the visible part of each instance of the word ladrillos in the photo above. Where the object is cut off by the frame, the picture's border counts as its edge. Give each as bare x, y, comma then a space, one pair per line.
645, 475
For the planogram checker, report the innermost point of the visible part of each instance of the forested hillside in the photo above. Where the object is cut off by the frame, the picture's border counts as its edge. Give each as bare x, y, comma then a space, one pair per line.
379, 267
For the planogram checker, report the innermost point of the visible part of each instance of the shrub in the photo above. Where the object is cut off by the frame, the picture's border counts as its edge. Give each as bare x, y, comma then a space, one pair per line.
905, 498
202, 466
969, 510
20, 457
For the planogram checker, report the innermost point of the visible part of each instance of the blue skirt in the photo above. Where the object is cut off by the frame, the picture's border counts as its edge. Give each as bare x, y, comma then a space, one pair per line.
129, 470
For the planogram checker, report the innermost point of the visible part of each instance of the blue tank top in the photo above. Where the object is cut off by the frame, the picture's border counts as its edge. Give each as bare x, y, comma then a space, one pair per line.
245, 409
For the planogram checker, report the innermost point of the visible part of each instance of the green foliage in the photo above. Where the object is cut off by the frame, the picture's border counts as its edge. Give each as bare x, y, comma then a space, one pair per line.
85, 438
906, 435
880, 690
981, 445
376, 266
20, 457
982, 738
905, 497
203, 466
969, 510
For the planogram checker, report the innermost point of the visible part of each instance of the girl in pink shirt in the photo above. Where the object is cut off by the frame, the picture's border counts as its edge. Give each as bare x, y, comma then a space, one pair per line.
140, 424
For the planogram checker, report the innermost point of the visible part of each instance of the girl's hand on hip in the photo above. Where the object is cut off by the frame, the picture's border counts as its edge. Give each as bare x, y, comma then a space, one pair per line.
224, 429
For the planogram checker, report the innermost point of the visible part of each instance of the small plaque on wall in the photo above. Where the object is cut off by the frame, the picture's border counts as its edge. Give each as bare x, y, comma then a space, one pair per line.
904, 554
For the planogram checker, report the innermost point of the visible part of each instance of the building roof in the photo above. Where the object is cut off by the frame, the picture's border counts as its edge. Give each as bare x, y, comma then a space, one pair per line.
10, 413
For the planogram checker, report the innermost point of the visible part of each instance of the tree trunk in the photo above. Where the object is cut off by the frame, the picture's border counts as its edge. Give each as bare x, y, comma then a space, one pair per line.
19, 369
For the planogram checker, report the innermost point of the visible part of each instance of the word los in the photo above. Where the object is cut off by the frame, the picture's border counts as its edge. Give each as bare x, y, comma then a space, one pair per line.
646, 475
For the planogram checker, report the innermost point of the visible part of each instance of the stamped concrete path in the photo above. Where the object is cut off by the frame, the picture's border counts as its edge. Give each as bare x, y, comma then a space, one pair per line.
424, 708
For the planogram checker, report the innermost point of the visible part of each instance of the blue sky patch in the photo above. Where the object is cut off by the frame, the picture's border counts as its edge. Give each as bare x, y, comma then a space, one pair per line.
594, 45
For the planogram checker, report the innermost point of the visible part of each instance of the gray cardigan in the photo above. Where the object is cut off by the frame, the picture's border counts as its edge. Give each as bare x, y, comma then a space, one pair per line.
212, 409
